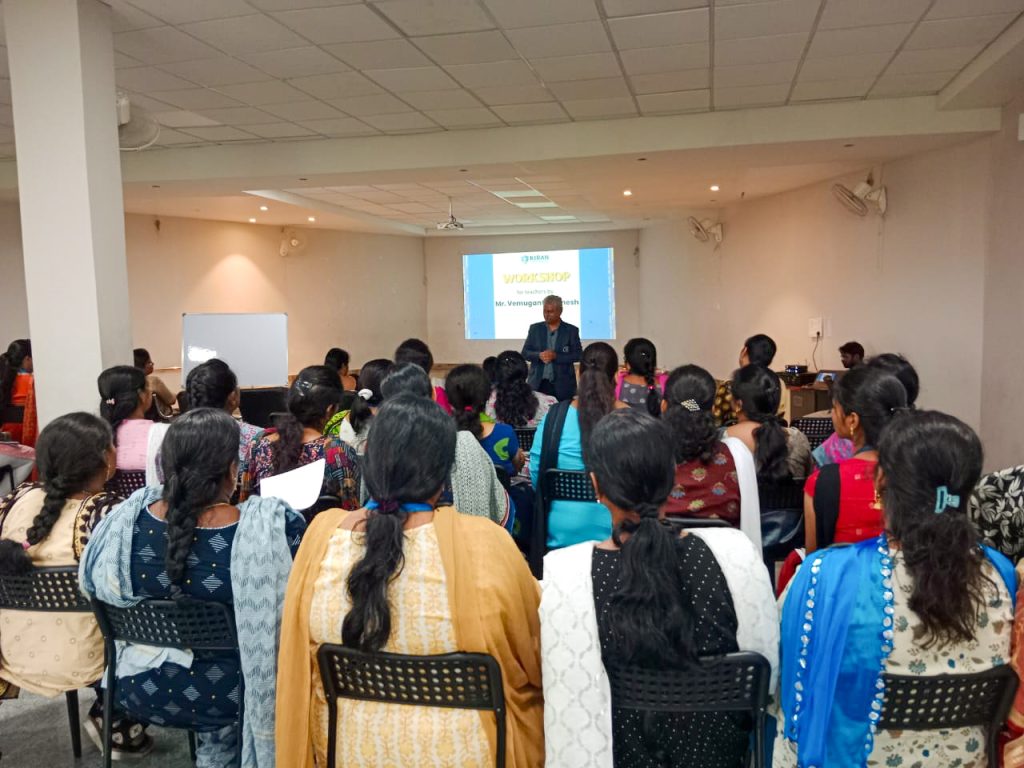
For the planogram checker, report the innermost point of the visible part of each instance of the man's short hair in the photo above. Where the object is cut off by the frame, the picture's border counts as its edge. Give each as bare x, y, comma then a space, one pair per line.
852, 348
141, 356
760, 349
552, 299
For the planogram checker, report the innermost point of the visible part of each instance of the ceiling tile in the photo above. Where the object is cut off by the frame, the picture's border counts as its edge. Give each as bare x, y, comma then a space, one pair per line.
842, 13
823, 90
659, 29
586, 109
169, 137
949, 9
670, 103
149, 79
536, 13
751, 96
184, 11
935, 60
911, 84
379, 54
381, 104
674, 58
567, 39
755, 74
411, 79
120, 62
760, 50
591, 89
409, 121
288, 5
589, 66
338, 24
160, 45
949, 33
505, 73
147, 103
295, 62
844, 67
513, 94
336, 86
478, 117
302, 110
213, 72
269, 92
884, 38
220, 133
668, 82
237, 116
781, 17
124, 17
340, 127
182, 119
245, 34
518, 114
197, 98
636, 7
435, 17
467, 47
280, 130
440, 100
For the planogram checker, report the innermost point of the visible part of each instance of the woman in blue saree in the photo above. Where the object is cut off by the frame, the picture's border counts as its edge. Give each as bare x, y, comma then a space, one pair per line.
924, 598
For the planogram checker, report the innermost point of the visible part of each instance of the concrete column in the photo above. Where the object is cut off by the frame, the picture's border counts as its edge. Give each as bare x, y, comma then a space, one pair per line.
69, 184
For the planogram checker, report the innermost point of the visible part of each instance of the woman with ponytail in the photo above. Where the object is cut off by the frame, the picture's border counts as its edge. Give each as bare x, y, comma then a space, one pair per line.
18, 393
186, 540
647, 597
923, 598
353, 427
641, 384
125, 397
512, 401
48, 524
403, 575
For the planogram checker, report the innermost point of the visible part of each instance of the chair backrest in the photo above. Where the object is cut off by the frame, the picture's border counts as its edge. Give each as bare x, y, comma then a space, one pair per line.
679, 523
44, 589
199, 625
125, 482
257, 405
525, 436
324, 502
566, 485
786, 494
817, 429
503, 477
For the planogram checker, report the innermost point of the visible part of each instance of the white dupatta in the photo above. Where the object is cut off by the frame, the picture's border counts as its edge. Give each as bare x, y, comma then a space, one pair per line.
746, 478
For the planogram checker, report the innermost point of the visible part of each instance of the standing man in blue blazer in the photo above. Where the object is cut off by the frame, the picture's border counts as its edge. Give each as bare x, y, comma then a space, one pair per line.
552, 349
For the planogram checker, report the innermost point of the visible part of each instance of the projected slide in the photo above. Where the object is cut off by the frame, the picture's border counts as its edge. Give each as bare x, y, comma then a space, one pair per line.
504, 291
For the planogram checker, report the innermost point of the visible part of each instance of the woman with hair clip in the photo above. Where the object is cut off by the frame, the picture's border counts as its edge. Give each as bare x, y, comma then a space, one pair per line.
48, 524
185, 539
352, 428
299, 439
570, 522
403, 575
780, 452
125, 397
924, 598
641, 384
647, 597
512, 401
18, 393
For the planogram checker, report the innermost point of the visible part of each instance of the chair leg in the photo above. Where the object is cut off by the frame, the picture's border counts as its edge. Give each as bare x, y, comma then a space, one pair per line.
192, 746
759, 739
108, 708
332, 731
75, 725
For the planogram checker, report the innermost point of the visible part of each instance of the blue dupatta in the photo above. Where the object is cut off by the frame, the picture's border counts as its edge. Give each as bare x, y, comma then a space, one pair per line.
837, 632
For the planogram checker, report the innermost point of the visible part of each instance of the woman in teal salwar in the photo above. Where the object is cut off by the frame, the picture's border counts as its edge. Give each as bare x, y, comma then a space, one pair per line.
924, 598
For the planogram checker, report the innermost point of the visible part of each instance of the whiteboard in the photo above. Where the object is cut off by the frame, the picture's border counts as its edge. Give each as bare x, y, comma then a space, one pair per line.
254, 345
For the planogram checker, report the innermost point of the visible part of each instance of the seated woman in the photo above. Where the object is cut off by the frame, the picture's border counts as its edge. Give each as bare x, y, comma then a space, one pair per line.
570, 522
416, 351
48, 524
646, 597
352, 429
164, 400
715, 476
186, 539
512, 401
125, 397
299, 439
18, 393
641, 384
780, 453
337, 359
214, 385
924, 598
405, 576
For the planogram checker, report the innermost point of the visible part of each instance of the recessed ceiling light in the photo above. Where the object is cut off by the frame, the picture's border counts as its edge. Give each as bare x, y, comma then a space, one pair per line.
252, 221
311, 218
264, 208
715, 187
627, 193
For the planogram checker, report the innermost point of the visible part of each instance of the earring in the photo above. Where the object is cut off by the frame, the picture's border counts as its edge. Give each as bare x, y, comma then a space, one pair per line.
110, 471
877, 504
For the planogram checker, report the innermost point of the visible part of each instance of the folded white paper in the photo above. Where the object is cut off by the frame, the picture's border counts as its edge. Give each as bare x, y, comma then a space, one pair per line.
300, 488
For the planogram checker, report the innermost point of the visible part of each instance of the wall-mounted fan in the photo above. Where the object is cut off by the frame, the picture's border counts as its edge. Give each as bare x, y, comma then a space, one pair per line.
863, 197
706, 229
136, 130
453, 224
292, 242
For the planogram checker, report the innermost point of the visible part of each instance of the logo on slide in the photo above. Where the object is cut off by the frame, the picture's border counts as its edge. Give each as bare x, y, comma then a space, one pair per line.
528, 257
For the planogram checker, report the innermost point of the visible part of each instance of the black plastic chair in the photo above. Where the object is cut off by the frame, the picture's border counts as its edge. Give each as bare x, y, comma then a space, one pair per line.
782, 520
125, 482
187, 624
257, 405
7, 471
525, 436
503, 478
555, 485
816, 428
735, 682
680, 524
324, 502
50, 590
451, 680
936, 702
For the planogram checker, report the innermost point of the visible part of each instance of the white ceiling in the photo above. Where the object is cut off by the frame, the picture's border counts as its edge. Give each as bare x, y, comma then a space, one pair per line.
226, 71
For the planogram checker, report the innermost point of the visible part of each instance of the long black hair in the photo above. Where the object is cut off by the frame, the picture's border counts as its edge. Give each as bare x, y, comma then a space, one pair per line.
198, 457
760, 392
901, 368
10, 364
311, 395
120, 388
920, 453
631, 458
596, 395
70, 452
468, 389
642, 358
689, 398
210, 384
514, 401
875, 395
407, 379
371, 375
394, 475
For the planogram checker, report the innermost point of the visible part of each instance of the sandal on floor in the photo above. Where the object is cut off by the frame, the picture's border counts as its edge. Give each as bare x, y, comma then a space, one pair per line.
129, 738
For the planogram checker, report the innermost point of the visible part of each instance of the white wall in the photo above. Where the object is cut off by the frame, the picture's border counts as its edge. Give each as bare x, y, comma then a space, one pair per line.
13, 306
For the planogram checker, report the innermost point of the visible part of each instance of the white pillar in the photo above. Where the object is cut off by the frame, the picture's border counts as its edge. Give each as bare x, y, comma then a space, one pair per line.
69, 183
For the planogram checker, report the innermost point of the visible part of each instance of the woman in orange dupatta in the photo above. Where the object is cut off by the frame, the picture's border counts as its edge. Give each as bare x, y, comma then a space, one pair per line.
1013, 735
18, 393
403, 576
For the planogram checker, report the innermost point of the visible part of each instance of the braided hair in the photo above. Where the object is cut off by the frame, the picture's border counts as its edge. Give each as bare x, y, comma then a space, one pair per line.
468, 389
760, 392
315, 390
71, 452
10, 364
642, 359
210, 385
120, 388
689, 399
199, 458
596, 395
514, 401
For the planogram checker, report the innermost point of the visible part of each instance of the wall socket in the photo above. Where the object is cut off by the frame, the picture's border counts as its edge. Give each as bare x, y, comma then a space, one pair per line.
815, 327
